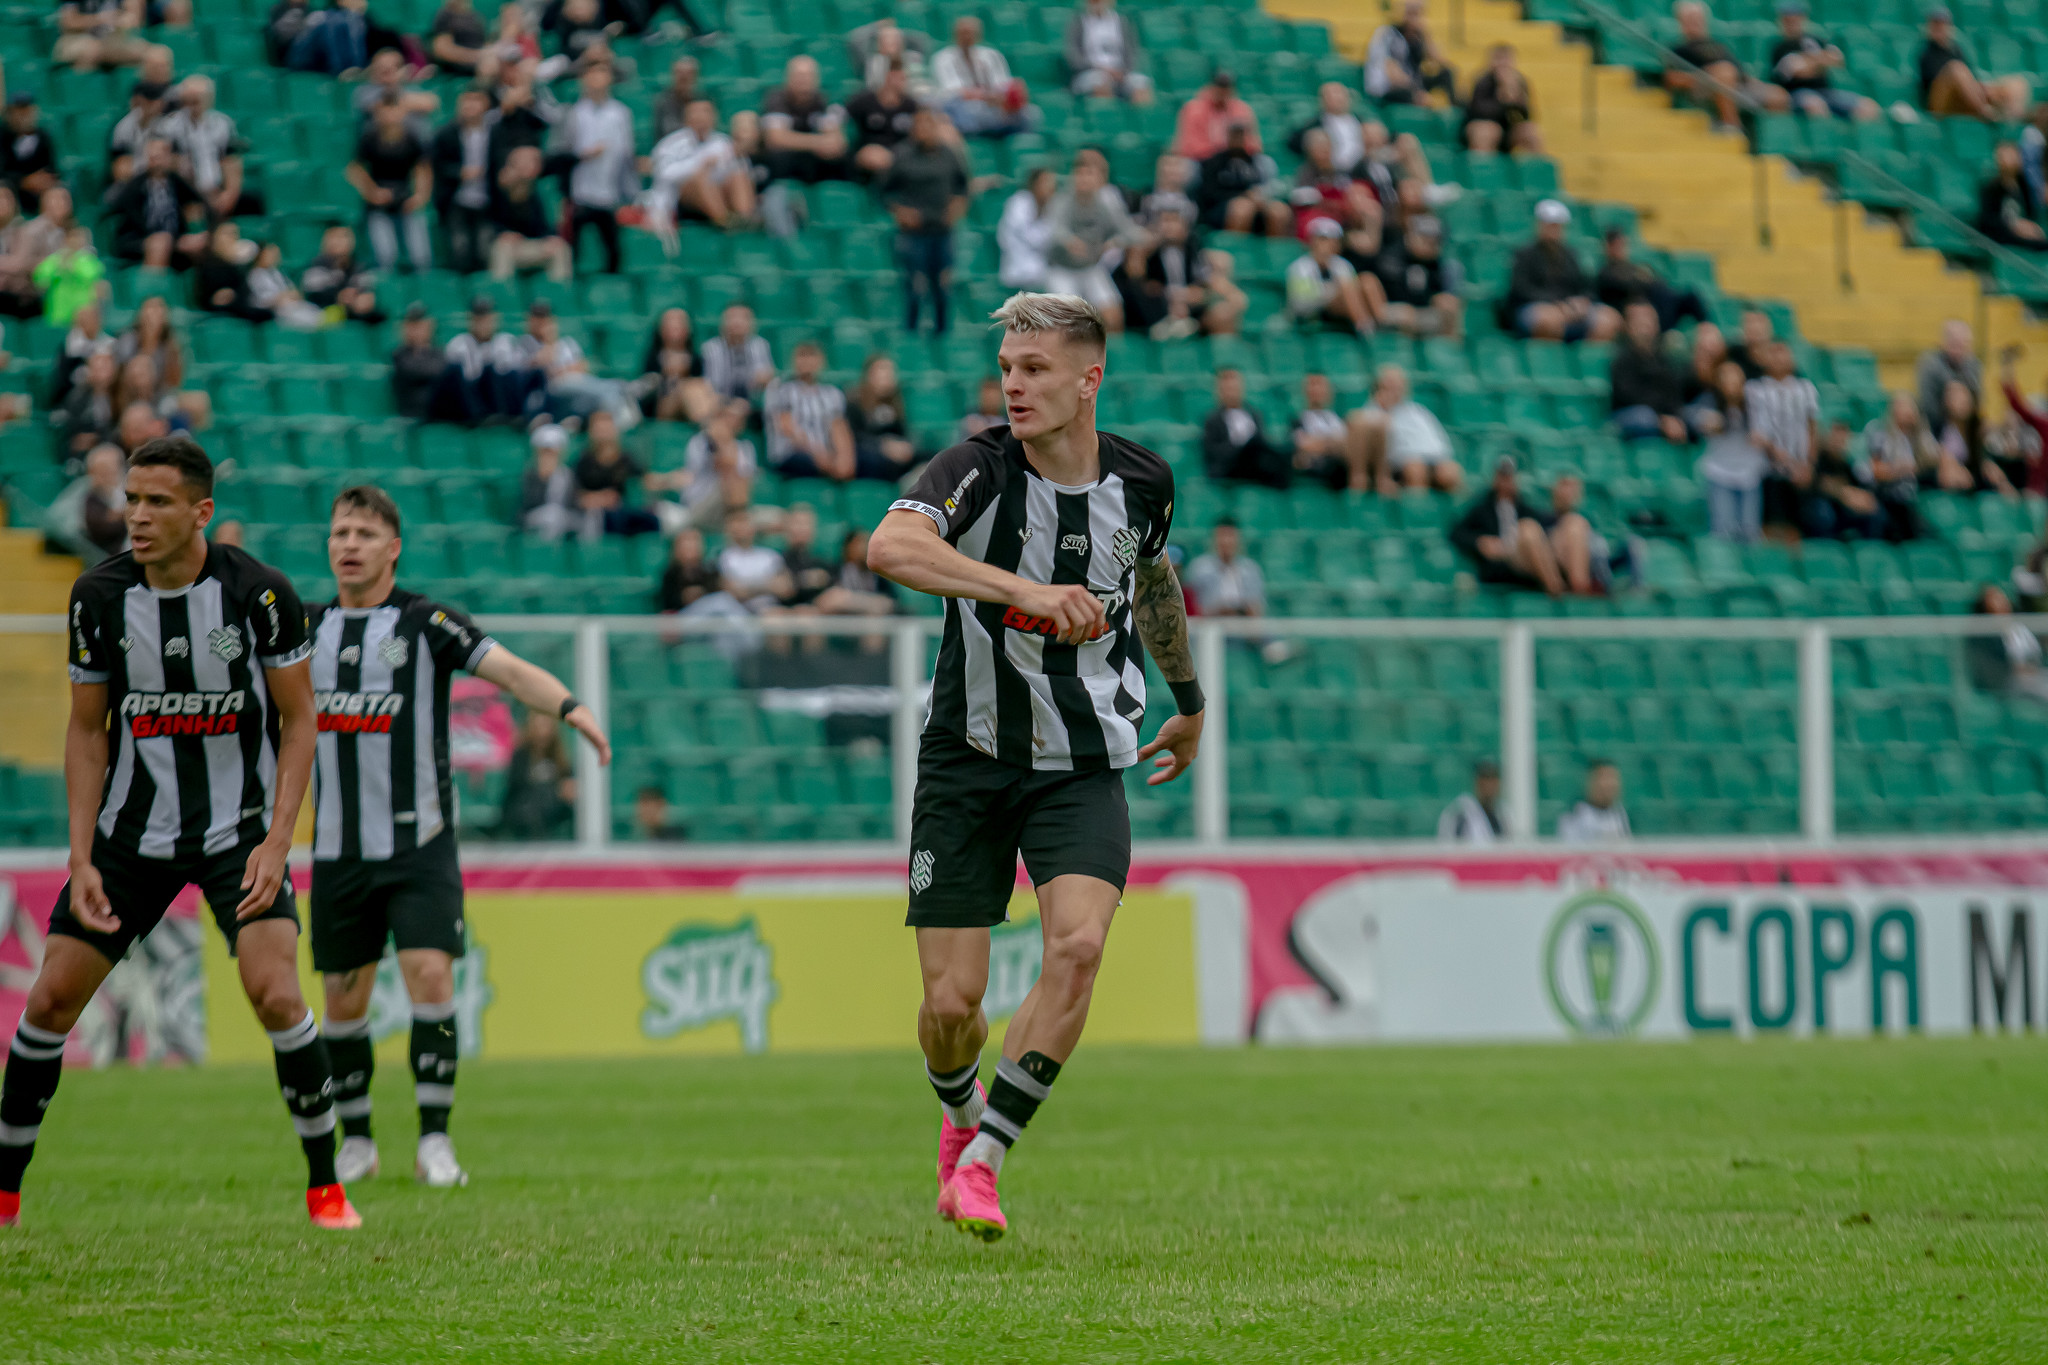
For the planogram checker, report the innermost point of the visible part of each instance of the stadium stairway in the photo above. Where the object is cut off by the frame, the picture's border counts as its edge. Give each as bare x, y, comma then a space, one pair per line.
1695, 190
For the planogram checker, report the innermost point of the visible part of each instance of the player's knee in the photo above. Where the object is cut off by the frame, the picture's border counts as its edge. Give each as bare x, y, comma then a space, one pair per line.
431, 984
277, 1002
1074, 957
53, 1005
951, 1007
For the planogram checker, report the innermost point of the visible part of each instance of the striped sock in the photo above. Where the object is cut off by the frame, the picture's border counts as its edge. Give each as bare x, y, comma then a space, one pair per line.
305, 1077
433, 1064
355, 1062
1021, 1086
35, 1062
959, 1096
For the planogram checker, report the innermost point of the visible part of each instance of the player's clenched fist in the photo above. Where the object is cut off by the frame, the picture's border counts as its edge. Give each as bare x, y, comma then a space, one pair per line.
1071, 607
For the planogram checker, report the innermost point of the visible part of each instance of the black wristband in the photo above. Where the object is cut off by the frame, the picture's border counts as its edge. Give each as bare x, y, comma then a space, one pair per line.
569, 703
1187, 696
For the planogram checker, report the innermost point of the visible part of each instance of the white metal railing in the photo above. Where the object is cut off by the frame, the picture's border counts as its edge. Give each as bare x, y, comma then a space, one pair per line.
1516, 640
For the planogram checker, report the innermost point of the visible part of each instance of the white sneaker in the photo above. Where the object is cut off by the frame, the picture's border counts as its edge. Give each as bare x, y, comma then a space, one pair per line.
437, 1166
357, 1160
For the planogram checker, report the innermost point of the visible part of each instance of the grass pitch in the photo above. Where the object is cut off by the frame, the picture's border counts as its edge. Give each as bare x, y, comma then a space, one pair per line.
1816, 1201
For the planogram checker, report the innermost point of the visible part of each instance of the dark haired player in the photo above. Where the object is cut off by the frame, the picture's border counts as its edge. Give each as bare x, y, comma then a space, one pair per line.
197, 655
384, 863
1048, 541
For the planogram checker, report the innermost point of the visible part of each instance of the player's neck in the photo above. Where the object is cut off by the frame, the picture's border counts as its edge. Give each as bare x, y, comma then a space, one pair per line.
178, 571
1071, 455
371, 594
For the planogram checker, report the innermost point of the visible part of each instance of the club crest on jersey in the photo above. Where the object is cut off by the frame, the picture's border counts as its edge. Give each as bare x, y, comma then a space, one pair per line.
392, 652
1123, 545
177, 647
920, 869
1075, 543
226, 643
350, 654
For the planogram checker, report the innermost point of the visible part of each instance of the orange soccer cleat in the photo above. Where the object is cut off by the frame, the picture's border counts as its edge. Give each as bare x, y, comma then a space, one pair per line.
329, 1208
952, 1142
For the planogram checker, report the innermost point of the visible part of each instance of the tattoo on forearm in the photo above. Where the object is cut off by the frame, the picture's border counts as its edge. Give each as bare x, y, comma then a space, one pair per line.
1162, 619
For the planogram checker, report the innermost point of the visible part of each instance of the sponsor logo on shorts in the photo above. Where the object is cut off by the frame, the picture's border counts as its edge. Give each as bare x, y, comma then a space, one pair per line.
226, 643
153, 714
357, 713
393, 652
177, 647
920, 869
1074, 543
703, 973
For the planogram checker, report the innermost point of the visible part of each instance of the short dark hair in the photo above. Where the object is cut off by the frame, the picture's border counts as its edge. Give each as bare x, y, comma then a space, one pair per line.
367, 497
182, 453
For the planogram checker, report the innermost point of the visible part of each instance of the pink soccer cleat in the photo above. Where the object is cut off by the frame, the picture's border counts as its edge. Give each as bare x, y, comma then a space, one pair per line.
10, 1207
328, 1207
969, 1201
952, 1142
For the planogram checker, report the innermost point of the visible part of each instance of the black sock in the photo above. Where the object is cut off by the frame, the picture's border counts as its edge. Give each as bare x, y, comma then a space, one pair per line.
355, 1062
305, 1077
434, 1051
1021, 1086
957, 1094
35, 1062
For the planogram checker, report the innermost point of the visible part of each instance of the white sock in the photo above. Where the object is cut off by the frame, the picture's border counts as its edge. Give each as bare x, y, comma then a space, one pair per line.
987, 1151
966, 1115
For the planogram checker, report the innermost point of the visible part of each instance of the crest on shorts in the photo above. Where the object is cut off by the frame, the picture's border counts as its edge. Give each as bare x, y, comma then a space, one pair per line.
392, 652
1124, 546
226, 643
920, 869
177, 647
350, 654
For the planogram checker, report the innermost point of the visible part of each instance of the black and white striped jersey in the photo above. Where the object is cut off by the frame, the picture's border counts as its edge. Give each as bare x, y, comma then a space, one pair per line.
381, 783
192, 758
1002, 682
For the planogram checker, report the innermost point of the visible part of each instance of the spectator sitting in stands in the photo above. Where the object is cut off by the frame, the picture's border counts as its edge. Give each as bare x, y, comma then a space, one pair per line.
1547, 296
1024, 233
1645, 390
159, 219
974, 87
1703, 361
1498, 112
652, 821
1402, 64
1599, 817
1087, 221
272, 291
1758, 336
1226, 581
485, 379
417, 365
1784, 419
583, 38
1322, 287
803, 133
103, 508
880, 118
700, 172
925, 190
737, 362
87, 414
676, 96
547, 490
1232, 189
70, 278
386, 76
1732, 467
1948, 85
150, 334
19, 297
872, 46
1621, 281
527, 113
1323, 449
687, 576
337, 281
229, 532
391, 174
85, 339
526, 231
856, 590
1171, 176
1839, 505
1321, 190
2024, 411
1400, 441
605, 478
1712, 57
2007, 210
458, 41
1391, 162
719, 466
572, 390
1898, 452
1966, 466
809, 575
461, 162
99, 35
1103, 55
139, 425
540, 786
1336, 122
1234, 444
220, 274
1420, 286
808, 434
990, 410
672, 374
1954, 360
209, 150
28, 155
1474, 817
1173, 288
125, 140
2008, 663
1800, 64
752, 579
1505, 539
1585, 557
875, 412
513, 39
1202, 128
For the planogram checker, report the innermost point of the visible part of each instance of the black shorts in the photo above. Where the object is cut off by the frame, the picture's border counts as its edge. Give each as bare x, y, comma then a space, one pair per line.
413, 899
140, 889
974, 815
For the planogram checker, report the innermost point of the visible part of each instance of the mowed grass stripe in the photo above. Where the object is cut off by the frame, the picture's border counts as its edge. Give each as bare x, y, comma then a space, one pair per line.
1584, 1203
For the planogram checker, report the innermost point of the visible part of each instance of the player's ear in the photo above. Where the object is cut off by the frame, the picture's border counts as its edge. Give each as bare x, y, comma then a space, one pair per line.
203, 509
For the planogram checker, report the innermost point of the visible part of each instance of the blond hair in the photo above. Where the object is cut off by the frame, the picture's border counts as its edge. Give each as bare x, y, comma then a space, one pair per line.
1068, 314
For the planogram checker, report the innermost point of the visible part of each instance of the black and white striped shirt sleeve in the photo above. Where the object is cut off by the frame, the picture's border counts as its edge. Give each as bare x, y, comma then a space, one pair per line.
956, 487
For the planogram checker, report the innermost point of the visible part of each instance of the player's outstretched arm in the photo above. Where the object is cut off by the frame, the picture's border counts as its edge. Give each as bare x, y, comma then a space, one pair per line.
1161, 615
907, 549
539, 690
291, 691
85, 777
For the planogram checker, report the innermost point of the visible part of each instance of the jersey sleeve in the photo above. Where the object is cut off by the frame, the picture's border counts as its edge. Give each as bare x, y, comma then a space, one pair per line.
278, 619
955, 488
90, 661
1153, 547
455, 641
